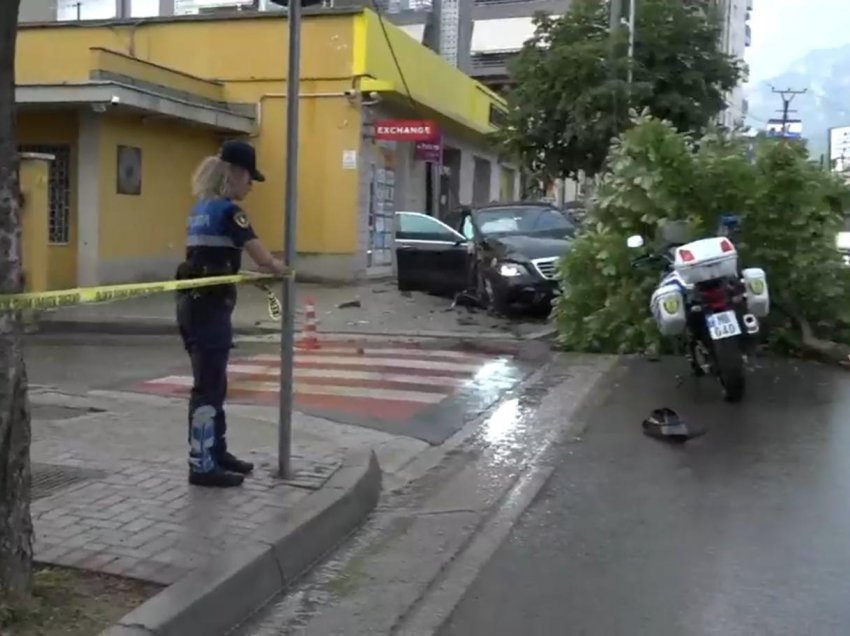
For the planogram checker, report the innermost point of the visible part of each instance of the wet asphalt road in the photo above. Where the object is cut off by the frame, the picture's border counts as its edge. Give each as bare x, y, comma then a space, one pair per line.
744, 531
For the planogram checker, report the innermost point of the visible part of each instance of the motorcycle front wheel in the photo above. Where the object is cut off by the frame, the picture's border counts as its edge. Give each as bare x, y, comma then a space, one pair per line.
729, 367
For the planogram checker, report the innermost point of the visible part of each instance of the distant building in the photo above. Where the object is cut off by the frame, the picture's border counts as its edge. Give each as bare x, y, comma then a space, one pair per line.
793, 128
839, 149
737, 36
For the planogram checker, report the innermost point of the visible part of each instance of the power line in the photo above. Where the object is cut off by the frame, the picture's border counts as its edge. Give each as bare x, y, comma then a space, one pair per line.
387, 39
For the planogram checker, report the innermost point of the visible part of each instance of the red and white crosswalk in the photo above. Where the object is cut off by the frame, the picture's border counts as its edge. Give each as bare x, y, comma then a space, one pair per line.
393, 382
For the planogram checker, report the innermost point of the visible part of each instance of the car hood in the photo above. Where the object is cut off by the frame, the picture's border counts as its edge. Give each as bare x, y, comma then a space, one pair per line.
530, 247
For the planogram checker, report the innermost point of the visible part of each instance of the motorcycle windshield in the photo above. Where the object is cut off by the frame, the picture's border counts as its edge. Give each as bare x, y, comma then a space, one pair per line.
674, 233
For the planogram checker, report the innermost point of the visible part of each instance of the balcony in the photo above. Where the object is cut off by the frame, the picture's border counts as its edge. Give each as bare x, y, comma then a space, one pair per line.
494, 9
491, 65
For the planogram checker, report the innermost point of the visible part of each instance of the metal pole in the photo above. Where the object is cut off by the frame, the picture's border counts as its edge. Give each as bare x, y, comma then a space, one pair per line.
632, 8
287, 326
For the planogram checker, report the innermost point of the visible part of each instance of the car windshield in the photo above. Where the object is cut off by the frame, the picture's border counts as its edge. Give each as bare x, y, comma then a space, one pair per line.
522, 220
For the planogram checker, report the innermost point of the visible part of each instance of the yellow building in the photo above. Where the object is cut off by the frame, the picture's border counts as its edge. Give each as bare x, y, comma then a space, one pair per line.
129, 108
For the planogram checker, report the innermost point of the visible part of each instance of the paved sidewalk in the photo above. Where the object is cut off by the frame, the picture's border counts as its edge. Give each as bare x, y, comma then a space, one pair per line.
364, 308
110, 489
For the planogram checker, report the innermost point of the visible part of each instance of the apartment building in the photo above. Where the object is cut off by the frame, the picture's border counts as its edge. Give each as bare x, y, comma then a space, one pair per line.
737, 36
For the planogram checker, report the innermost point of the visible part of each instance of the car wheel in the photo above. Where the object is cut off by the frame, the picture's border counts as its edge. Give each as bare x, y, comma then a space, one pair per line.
542, 309
489, 295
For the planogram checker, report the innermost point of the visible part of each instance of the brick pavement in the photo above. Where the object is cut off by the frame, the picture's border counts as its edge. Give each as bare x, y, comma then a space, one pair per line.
141, 519
131, 511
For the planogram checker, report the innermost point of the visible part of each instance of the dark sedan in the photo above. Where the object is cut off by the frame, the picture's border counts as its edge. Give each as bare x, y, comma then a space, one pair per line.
504, 253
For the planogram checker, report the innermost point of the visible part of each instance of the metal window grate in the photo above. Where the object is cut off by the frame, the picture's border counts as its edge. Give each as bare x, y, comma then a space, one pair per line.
49, 479
59, 189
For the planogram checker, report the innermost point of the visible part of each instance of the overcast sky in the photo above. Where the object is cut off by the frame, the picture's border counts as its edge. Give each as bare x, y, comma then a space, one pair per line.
785, 30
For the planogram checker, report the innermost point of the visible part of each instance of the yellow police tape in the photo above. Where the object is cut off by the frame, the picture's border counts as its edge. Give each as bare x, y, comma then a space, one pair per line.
90, 295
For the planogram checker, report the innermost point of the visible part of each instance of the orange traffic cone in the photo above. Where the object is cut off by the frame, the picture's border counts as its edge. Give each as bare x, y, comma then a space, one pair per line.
310, 340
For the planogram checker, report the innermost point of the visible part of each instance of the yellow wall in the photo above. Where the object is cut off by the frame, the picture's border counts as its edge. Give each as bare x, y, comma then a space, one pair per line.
152, 224
34, 218
327, 194
56, 127
234, 50
327, 220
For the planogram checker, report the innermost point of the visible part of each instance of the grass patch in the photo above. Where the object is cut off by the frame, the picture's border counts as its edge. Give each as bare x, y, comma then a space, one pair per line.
71, 602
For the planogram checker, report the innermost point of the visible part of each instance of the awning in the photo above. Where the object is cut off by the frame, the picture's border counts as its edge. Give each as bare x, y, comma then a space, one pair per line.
107, 95
500, 35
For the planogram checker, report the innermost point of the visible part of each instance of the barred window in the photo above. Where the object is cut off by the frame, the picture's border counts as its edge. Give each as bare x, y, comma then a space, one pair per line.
59, 193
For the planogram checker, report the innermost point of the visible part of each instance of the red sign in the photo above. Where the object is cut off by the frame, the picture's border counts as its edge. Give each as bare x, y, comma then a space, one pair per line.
406, 130
428, 151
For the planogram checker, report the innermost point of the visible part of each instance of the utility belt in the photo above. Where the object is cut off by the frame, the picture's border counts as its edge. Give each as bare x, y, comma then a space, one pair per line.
187, 270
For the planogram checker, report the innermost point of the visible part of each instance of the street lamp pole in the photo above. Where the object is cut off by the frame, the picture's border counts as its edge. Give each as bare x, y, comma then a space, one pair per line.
287, 321
632, 10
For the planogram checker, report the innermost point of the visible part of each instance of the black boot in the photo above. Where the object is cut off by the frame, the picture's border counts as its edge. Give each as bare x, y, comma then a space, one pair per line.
228, 462
218, 478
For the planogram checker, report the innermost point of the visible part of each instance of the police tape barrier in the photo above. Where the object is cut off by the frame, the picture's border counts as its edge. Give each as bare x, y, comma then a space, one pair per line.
90, 295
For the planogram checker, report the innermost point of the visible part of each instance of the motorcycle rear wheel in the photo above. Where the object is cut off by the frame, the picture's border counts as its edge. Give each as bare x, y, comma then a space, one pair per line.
729, 367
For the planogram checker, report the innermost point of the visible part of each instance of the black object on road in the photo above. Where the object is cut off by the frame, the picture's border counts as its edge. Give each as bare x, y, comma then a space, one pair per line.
665, 424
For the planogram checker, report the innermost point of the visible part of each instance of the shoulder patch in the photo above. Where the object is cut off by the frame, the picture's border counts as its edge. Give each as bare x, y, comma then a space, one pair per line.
241, 219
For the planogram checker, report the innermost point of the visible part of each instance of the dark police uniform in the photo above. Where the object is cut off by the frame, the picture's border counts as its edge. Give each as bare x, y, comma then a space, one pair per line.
217, 230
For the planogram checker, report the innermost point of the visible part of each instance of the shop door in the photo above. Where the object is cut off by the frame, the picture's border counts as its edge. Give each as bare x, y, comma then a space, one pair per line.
481, 181
382, 208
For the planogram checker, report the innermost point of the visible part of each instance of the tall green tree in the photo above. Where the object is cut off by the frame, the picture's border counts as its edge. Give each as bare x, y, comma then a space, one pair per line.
790, 212
572, 95
15, 521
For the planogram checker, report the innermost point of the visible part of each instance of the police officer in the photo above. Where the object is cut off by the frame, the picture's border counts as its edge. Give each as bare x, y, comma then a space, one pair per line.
217, 232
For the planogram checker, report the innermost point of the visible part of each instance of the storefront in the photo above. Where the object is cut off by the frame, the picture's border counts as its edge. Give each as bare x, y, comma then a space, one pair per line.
129, 115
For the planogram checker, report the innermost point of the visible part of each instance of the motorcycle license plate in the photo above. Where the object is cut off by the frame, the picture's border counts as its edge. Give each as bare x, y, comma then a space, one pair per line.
723, 325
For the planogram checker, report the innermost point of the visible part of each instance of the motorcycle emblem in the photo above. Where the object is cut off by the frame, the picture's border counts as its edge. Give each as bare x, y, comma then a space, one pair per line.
671, 304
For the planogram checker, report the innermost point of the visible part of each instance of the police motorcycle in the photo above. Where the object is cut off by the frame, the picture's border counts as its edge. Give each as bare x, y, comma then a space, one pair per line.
706, 301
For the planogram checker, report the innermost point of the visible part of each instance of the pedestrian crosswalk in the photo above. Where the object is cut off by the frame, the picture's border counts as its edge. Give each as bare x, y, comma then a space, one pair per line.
390, 382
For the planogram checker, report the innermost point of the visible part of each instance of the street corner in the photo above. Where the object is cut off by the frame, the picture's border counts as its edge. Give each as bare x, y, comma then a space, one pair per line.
221, 594
424, 389
216, 555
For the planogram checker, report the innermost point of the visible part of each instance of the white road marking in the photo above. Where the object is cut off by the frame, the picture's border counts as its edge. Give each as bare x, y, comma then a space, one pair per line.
364, 361
305, 388
401, 351
347, 374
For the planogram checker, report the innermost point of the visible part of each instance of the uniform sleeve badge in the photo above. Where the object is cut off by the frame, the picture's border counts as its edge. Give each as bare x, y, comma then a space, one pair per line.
241, 219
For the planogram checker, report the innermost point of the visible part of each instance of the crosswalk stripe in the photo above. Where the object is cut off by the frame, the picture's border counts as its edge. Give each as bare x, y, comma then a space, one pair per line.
358, 360
171, 380
306, 388
366, 392
346, 374
412, 351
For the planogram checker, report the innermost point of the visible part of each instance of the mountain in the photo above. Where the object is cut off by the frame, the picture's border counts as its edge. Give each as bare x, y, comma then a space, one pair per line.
826, 75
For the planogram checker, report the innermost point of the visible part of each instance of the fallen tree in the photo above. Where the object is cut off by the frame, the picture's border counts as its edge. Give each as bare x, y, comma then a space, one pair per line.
790, 212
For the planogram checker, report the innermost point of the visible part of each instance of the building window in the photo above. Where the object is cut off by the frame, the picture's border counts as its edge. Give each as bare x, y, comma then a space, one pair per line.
59, 190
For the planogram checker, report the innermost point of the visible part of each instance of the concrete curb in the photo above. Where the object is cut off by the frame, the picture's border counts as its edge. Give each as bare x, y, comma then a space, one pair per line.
154, 327
140, 327
220, 595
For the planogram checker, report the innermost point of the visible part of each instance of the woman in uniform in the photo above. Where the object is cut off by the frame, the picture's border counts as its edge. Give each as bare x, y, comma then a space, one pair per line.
217, 231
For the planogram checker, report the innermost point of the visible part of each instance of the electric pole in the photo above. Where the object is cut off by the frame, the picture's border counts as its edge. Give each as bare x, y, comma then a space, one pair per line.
787, 96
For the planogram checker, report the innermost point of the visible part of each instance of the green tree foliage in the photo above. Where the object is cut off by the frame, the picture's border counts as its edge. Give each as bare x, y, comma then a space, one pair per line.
790, 212
571, 95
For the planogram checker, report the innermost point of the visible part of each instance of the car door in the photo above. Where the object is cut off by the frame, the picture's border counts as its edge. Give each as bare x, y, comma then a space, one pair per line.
430, 255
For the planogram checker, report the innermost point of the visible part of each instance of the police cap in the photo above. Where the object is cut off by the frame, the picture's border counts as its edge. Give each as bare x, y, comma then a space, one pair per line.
240, 153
